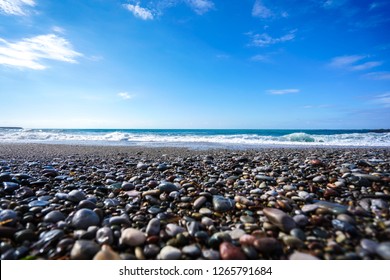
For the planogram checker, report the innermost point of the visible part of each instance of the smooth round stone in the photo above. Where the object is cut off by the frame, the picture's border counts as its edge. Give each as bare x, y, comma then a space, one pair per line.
111, 202
76, 196
263, 178
301, 220
346, 218
236, 234
8, 217
54, 216
170, 253
61, 196
309, 208
230, 252
280, 219
132, 237
173, 229
154, 210
105, 235
85, 218
383, 250
10, 187
38, 203
119, 220
192, 250
211, 254
334, 207
343, 226
86, 204
198, 203
303, 195
298, 233
243, 200
205, 212
369, 245
302, 256
25, 235
51, 235
153, 227
319, 179
142, 166
268, 246
84, 250
247, 239
206, 221
106, 253
151, 251
167, 187
250, 252
222, 204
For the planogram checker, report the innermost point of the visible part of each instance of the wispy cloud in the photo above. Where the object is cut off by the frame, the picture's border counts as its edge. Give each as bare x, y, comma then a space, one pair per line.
140, 12
260, 58
283, 91
333, 3
16, 7
261, 11
353, 62
264, 39
30, 52
125, 95
200, 6
378, 75
383, 99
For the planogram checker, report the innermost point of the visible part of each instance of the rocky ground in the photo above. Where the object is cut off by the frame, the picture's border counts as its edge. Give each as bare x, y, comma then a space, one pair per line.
85, 202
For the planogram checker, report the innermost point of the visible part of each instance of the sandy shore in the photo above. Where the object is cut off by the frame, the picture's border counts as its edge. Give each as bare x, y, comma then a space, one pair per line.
116, 202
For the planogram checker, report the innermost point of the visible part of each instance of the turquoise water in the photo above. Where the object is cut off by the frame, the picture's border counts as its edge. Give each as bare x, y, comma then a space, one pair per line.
200, 137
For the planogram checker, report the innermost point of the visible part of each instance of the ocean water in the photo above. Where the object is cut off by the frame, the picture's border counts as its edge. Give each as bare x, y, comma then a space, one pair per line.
200, 138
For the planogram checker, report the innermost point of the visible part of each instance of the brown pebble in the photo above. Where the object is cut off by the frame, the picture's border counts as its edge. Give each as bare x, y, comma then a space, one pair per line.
106, 253
280, 219
247, 239
267, 245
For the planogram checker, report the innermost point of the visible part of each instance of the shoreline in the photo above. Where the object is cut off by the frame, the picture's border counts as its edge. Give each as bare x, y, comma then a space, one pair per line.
119, 202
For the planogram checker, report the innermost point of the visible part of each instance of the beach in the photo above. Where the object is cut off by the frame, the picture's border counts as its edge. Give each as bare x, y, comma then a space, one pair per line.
131, 202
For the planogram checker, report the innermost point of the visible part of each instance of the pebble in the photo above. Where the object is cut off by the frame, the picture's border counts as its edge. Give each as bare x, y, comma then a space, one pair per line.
106, 253
84, 250
8, 217
302, 256
54, 216
280, 219
105, 235
198, 203
192, 250
383, 250
132, 237
76, 196
84, 218
153, 227
230, 252
170, 253
222, 204
268, 246
167, 187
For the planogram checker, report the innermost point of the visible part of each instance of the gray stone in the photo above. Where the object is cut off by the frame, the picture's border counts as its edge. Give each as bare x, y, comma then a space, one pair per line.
105, 235
173, 229
211, 254
369, 245
76, 196
302, 256
167, 187
153, 227
54, 216
198, 203
170, 253
192, 250
222, 204
383, 250
84, 250
280, 219
84, 218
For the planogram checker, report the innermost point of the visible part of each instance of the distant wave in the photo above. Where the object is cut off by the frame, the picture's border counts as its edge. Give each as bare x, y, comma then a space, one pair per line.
194, 137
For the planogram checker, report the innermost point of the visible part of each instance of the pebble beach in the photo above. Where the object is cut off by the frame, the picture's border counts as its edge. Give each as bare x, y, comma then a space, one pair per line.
69, 202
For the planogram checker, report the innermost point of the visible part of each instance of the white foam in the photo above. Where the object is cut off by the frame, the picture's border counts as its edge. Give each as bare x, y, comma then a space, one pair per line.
169, 139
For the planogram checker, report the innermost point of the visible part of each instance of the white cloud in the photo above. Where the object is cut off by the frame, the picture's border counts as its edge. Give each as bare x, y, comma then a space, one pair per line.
353, 62
260, 58
125, 95
334, 3
138, 11
378, 75
15, 7
383, 99
200, 6
261, 11
264, 40
282, 91
29, 52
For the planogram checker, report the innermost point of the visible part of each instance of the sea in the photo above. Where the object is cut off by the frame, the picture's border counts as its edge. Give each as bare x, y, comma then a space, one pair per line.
201, 138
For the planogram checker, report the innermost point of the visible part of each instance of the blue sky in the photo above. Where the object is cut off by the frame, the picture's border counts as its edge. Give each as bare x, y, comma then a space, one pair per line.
195, 64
